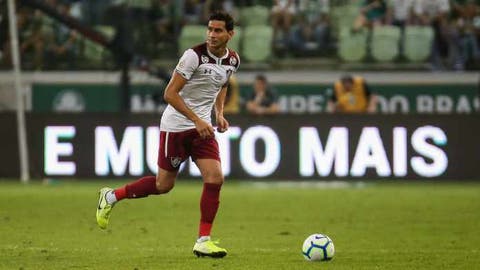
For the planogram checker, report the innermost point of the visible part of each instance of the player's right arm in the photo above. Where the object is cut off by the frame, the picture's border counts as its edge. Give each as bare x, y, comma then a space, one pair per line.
172, 97
184, 71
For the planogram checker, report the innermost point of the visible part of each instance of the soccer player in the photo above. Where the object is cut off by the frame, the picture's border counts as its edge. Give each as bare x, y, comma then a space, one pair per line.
198, 83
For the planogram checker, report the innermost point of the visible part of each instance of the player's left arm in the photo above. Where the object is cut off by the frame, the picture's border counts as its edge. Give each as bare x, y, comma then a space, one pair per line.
222, 123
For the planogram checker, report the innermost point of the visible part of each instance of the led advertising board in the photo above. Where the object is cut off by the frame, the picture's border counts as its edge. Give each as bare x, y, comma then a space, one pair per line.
321, 146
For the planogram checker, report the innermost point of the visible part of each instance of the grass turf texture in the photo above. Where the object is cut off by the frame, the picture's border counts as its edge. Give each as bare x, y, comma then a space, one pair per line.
380, 226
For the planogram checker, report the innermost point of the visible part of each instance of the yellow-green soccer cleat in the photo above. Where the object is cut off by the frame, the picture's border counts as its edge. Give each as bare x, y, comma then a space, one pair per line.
104, 208
209, 248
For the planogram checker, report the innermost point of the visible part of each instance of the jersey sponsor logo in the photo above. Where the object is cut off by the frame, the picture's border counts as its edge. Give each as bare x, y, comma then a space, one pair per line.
175, 161
204, 59
233, 61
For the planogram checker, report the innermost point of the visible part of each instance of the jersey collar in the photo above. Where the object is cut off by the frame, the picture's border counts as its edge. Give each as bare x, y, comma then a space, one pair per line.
217, 59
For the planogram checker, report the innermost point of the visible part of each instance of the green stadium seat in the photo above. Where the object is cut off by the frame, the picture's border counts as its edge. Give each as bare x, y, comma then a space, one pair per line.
385, 43
190, 36
235, 42
95, 53
343, 17
254, 15
352, 47
418, 43
257, 43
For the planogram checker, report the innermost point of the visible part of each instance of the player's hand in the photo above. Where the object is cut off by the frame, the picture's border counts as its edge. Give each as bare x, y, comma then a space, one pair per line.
204, 129
222, 124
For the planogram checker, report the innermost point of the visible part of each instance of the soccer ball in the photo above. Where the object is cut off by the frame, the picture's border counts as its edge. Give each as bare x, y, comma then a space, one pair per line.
318, 247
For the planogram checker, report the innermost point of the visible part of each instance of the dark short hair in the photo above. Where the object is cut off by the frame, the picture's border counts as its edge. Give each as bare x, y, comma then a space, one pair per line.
220, 15
347, 78
261, 77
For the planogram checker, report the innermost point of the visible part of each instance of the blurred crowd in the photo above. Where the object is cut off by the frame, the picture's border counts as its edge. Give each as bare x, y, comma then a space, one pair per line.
455, 23
300, 28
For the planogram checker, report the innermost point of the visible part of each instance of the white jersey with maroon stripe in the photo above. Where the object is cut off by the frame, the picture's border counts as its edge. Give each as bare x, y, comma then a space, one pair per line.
205, 74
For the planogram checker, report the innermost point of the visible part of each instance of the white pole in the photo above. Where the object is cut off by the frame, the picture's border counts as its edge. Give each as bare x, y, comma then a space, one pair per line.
20, 94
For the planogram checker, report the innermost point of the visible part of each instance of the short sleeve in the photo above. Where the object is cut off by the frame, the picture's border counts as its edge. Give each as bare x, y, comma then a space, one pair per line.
235, 62
238, 64
187, 64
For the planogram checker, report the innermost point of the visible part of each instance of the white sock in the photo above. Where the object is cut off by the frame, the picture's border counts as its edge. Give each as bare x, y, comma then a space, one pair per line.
111, 198
202, 239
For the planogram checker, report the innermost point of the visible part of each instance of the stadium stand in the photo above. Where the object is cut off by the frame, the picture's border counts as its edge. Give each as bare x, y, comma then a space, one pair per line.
256, 44
385, 43
235, 43
418, 43
352, 47
254, 15
160, 34
95, 54
190, 35
343, 17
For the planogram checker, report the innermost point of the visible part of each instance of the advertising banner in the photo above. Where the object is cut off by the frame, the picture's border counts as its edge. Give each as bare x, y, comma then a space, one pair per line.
276, 147
392, 98
10, 166
293, 98
60, 97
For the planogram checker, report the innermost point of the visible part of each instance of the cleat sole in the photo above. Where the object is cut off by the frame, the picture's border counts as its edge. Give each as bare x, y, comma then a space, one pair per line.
212, 255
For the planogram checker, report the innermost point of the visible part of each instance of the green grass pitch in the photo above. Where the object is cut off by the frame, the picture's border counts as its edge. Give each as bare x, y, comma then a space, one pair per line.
378, 225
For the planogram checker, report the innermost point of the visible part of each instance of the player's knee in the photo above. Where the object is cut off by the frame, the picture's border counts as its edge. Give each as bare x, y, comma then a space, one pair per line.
164, 186
214, 178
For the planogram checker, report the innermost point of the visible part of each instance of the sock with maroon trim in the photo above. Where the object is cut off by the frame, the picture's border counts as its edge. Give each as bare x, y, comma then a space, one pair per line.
208, 207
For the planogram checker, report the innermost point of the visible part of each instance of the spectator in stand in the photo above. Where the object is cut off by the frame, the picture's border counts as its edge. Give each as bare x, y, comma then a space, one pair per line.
372, 13
62, 47
312, 31
467, 20
32, 35
445, 47
163, 14
263, 99
399, 12
476, 27
282, 14
352, 95
232, 98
